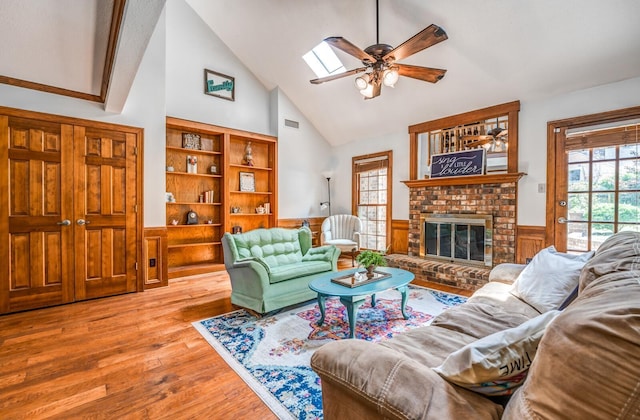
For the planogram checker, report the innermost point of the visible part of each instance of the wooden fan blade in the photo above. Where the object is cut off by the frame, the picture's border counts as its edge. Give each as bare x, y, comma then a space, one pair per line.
480, 142
429, 36
338, 76
346, 46
422, 73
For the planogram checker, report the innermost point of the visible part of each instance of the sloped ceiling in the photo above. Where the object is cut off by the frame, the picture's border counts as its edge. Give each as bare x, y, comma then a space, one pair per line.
497, 51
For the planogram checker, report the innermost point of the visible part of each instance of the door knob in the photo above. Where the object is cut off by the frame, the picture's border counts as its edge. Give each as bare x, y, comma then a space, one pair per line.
81, 222
562, 220
65, 222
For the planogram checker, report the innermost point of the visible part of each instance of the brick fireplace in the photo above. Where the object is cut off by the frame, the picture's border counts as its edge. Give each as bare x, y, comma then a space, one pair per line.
485, 195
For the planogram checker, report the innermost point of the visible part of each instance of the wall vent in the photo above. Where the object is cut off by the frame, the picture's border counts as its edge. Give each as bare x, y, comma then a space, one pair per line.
291, 123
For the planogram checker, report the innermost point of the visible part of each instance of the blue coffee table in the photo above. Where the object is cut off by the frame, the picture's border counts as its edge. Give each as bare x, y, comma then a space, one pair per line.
353, 298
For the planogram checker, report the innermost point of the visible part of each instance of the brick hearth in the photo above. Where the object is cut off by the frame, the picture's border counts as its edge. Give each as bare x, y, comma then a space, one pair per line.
496, 199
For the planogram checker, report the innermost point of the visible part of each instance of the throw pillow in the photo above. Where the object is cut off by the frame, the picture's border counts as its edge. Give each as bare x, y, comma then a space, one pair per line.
549, 278
496, 364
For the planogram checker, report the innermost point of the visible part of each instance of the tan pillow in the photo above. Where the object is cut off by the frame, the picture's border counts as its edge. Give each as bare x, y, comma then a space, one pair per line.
497, 363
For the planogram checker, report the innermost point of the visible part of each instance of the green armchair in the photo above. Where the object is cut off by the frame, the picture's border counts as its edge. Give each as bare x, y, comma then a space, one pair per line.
272, 268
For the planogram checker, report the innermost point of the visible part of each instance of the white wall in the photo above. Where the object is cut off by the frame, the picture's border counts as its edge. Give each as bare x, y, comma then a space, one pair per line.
193, 47
533, 120
303, 155
145, 108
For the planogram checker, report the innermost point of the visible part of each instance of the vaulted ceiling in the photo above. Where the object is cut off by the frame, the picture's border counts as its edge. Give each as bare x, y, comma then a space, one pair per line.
497, 51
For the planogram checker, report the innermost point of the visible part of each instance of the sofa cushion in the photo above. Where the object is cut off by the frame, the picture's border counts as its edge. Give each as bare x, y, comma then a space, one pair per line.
274, 246
497, 363
549, 278
587, 365
301, 269
620, 252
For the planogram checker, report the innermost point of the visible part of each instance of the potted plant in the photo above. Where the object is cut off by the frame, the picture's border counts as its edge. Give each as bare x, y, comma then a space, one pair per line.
370, 260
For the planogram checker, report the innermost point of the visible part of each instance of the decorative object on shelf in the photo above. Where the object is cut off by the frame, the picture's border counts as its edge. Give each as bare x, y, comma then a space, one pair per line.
260, 210
247, 181
169, 197
192, 164
464, 163
220, 85
327, 204
174, 222
213, 169
170, 169
210, 222
371, 260
380, 60
208, 196
267, 208
235, 210
236, 229
192, 217
191, 141
248, 156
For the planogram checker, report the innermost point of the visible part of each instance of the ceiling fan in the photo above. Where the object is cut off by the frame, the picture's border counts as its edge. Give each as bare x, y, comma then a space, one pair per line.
380, 60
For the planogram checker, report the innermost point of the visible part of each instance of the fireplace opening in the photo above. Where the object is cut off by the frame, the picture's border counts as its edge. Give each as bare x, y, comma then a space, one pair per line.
465, 239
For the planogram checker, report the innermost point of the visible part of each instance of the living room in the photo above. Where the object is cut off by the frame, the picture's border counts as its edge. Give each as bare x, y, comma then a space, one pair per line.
167, 82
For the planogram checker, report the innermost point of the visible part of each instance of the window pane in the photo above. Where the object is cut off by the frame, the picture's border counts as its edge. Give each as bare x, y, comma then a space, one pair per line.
628, 207
604, 176
364, 183
579, 156
629, 178
578, 208
601, 231
603, 207
629, 228
364, 197
602, 153
629, 150
578, 236
578, 177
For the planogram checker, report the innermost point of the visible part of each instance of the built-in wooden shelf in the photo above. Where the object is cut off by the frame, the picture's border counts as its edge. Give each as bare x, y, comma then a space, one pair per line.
465, 180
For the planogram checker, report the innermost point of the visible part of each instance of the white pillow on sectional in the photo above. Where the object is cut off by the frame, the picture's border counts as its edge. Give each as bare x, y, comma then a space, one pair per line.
498, 363
549, 278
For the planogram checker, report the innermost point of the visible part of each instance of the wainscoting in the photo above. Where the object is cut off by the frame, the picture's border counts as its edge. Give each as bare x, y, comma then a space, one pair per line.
155, 248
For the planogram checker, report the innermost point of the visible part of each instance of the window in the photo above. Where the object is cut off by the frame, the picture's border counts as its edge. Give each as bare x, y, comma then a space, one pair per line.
323, 61
371, 198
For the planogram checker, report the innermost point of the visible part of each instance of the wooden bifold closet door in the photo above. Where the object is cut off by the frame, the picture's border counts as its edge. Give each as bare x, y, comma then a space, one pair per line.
68, 225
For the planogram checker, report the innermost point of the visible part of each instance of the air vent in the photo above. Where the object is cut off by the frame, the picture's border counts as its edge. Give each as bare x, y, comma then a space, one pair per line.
291, 123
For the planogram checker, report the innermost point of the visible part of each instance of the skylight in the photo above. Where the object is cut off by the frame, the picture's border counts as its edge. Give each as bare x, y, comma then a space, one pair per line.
323, 61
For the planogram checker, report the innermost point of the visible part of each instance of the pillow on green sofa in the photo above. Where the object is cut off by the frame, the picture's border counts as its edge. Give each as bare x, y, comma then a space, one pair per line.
549, 278
496, 364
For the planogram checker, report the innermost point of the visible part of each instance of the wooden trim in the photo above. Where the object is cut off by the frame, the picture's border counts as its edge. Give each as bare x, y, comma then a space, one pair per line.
179, 123
413, 151
4, 214
399, 237
465, 180
478, 114
114, 35
315, 224
49, 89
157, 276
529, 241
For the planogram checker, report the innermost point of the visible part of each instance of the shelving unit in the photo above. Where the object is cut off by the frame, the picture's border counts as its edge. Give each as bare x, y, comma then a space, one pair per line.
197, 248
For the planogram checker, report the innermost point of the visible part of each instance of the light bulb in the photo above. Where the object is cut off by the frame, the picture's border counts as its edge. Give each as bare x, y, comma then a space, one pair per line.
390, 77
362, 81
368, 91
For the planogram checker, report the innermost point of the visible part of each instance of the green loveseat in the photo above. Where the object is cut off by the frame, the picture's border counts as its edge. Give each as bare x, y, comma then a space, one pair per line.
272, 268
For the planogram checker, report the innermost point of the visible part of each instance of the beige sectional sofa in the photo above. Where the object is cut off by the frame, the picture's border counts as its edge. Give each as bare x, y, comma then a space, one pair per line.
587, 363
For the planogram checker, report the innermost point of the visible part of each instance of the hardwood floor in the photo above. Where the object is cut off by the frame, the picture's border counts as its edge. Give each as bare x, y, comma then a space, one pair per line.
133, 356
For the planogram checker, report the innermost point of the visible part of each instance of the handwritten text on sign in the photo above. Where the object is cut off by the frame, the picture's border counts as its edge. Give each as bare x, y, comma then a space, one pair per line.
465, 163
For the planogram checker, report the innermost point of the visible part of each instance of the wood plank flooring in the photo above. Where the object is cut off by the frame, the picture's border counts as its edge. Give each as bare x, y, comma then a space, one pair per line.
134, 356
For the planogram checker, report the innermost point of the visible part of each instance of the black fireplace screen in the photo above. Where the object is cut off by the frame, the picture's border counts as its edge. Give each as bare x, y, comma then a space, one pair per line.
457, 239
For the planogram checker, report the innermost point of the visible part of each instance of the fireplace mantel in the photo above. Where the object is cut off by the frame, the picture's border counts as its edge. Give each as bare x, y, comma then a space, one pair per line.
465, 180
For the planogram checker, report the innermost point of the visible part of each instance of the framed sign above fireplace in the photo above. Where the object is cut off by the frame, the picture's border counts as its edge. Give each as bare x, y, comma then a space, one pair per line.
465, 163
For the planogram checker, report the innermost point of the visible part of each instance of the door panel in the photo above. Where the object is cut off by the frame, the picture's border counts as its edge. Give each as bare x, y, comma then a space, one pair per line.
39, 157
104, 217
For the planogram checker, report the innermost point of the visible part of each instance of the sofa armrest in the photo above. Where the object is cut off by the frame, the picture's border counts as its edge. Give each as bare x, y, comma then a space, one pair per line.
506, 272
362, 379
329, 253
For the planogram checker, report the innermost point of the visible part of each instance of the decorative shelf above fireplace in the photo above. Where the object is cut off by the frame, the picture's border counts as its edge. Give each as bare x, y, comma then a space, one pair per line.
465, 180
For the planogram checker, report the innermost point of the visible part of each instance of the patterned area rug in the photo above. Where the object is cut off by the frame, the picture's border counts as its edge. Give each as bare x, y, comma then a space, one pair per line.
272, 353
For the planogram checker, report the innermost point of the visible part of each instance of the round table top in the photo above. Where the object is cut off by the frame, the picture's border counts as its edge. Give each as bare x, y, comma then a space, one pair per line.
325, 286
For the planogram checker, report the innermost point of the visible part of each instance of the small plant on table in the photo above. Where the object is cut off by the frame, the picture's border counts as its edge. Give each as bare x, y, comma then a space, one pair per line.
370, 260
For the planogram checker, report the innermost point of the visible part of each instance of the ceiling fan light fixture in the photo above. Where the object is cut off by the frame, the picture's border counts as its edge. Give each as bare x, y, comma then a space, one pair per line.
390, 77
362, 81
367, 92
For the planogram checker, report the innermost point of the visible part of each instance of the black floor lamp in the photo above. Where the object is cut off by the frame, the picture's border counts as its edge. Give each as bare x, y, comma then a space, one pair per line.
327, 204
